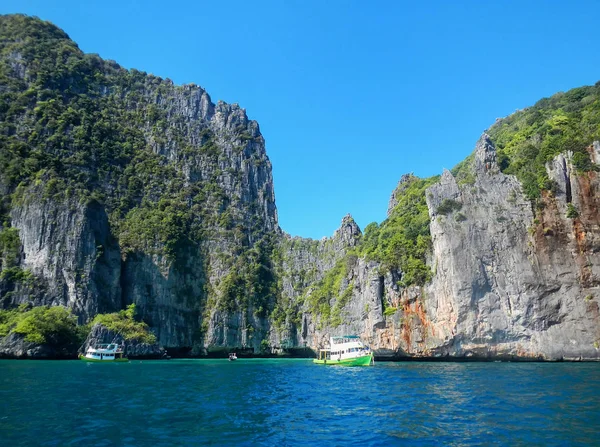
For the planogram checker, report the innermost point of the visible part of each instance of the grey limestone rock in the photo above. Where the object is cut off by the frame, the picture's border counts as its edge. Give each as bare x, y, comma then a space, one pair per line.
70, 247
498, 290
509, 280
14, 346
507, 284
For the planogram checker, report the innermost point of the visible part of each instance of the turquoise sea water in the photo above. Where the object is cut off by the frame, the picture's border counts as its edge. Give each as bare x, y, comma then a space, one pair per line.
293, 402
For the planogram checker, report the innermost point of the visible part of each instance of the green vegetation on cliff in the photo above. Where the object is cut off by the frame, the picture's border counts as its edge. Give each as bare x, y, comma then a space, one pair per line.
76, 129
251, 281
79, 126
529, 138
53, 325
57, 326
401, 243
403, 240
321, 295
464, 172
525, 141
125, 324
10, 246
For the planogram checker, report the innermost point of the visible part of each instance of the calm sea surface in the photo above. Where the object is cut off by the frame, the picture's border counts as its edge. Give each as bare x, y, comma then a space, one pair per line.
293, 402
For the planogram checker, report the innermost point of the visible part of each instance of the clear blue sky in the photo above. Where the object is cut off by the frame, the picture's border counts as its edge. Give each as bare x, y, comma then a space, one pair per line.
349, 95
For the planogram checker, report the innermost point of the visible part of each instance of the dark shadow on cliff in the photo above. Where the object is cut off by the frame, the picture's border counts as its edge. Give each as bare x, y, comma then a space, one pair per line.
170, 299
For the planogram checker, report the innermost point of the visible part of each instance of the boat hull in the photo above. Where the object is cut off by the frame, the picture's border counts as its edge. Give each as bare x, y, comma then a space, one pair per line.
87, 359
365, 360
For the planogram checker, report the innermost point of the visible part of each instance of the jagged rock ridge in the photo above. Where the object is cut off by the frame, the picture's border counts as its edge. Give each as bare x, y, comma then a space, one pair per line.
139, 191
127, 189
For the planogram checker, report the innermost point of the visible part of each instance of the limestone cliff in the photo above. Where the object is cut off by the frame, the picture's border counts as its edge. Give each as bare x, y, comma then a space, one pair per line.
509, 281
119, 187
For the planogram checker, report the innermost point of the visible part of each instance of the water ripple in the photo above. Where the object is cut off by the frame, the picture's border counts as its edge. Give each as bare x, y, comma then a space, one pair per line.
295, 403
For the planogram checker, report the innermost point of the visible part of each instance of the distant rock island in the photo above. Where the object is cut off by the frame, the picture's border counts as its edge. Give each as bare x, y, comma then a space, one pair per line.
119, 187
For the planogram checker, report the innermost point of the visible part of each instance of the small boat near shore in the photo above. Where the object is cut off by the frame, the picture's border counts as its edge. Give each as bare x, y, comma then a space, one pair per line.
346, 350
104, 353
232, 356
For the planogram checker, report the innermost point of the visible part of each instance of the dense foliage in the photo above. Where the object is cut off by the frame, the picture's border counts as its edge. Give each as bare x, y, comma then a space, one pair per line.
10, 246
76, 128
529, 138
53, 325
464, 172
448, 206
125, 324
403, 240
320, 297
251, 281
56, 325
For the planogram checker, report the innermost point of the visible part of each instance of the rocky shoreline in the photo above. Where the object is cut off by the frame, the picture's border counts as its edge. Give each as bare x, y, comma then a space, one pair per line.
13, 347
176, 213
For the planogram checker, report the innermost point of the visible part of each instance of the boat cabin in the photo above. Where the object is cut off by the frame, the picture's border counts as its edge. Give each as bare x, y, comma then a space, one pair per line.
324, 354
110, 351
345, 349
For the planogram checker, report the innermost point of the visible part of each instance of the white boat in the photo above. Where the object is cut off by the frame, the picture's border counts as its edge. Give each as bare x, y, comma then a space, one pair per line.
232, 356
110, 352
347, 350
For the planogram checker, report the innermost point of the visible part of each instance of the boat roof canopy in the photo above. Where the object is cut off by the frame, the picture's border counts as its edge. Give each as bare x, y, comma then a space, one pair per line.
341, 337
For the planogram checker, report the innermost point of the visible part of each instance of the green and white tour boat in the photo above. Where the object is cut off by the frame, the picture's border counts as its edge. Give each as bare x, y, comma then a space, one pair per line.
111, 352
347, 350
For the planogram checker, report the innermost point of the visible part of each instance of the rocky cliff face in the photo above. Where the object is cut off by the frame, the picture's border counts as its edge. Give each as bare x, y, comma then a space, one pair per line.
302, 263
123, 187
509, 282
69, 248
14, 346
119, 187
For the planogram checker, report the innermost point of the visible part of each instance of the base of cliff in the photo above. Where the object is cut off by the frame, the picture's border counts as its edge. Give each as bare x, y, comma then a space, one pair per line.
14, 346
